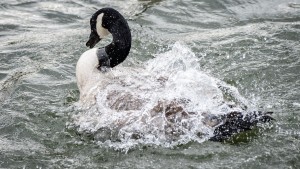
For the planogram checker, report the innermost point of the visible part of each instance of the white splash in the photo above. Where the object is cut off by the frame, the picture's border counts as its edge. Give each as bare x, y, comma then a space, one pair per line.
163, 103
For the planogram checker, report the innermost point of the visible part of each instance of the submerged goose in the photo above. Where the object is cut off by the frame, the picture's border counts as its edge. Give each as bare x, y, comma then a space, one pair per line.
92, 69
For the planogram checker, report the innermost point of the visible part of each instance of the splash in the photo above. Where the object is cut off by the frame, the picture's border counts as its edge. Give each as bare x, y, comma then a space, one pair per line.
165, 103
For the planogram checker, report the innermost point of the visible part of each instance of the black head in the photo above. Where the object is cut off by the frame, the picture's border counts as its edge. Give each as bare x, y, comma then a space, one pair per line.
102, 23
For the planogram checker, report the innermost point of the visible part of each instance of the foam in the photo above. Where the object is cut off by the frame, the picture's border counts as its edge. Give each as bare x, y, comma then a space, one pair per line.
163, 103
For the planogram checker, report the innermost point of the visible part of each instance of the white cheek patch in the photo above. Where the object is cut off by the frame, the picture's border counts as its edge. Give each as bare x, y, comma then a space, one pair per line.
102, 32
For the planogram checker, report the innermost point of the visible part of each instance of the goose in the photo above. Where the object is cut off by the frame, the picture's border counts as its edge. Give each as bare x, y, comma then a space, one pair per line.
94, 64
104, 22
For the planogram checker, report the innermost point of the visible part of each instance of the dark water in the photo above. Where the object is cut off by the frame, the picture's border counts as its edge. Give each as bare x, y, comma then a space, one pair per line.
250, 44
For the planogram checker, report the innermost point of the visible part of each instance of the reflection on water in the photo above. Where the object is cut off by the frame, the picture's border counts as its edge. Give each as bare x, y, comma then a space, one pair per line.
252, 45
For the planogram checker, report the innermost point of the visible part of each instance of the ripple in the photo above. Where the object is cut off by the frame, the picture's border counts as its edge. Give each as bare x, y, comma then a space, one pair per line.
251, 44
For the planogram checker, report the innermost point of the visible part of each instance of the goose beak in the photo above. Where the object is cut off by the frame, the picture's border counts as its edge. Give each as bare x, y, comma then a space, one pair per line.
93, 40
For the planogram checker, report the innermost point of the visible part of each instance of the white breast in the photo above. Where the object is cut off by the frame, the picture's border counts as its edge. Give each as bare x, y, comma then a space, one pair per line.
86, 69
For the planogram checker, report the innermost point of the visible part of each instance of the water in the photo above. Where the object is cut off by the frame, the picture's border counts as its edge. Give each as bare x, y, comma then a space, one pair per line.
251, 45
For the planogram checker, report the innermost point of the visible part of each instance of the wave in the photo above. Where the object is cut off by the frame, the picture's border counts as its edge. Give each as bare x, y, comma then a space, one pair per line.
167, 102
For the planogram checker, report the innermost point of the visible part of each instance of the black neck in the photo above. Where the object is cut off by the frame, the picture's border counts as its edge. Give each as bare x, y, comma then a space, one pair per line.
119, 49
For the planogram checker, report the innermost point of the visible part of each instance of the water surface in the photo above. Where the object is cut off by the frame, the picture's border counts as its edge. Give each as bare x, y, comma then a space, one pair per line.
252, 45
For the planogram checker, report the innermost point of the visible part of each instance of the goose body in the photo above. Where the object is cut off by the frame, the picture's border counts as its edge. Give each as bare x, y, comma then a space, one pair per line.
92, 77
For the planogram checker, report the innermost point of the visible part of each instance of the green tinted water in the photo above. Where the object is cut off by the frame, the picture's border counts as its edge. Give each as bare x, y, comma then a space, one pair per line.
253, 45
